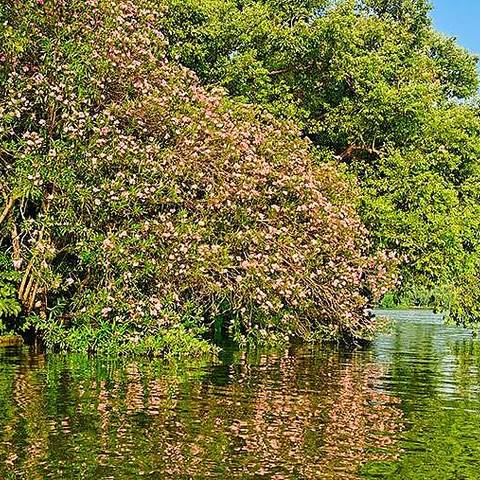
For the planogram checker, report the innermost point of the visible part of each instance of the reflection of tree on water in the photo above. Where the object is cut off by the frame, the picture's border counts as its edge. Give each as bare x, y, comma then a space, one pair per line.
274, 416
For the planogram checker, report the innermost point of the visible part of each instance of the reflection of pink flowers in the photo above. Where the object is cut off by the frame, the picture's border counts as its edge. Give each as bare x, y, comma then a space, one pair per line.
41, 2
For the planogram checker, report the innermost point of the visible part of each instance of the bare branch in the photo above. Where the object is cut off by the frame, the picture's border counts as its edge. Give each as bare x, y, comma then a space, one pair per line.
6, 210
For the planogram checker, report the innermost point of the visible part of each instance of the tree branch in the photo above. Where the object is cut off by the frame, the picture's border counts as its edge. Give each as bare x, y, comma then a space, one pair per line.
7, 209
351, 149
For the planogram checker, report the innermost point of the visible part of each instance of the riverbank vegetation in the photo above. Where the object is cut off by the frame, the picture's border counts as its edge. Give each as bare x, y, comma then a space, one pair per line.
140, 209
175, 170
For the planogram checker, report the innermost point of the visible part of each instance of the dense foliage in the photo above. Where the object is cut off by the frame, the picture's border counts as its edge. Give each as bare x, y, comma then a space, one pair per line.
140, 209
372, 83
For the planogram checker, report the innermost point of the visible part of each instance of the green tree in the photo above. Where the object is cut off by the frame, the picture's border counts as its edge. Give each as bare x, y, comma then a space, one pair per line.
372, 83
139, 209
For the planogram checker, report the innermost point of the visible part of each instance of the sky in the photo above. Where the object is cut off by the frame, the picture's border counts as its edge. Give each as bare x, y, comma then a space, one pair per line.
460, 19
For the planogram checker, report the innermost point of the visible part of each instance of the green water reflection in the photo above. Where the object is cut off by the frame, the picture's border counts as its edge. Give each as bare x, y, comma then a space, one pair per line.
435, 371
405, 408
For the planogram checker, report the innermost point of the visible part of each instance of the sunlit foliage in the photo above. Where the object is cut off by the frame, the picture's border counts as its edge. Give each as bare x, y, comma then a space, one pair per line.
139, 208
372, 83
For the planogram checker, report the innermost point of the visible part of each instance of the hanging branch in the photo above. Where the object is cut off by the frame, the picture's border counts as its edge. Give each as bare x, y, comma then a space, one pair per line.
15, 244
28, 284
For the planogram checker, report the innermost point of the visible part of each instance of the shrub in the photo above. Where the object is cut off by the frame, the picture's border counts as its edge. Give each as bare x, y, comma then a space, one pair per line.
137, 203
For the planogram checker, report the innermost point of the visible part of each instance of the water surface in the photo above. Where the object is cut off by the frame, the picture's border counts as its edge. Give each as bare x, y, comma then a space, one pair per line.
406, 407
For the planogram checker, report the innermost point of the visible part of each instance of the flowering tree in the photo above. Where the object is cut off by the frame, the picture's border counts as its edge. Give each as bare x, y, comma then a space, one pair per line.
140, 209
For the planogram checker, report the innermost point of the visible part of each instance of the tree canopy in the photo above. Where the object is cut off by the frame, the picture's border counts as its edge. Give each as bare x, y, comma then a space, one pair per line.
174, 167
373, 84
140, 209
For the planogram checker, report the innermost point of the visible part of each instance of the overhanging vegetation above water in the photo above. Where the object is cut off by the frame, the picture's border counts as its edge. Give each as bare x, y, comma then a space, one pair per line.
140, 209
372, 83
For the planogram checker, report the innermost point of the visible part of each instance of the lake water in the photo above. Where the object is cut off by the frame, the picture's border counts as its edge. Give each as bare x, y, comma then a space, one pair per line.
406, 407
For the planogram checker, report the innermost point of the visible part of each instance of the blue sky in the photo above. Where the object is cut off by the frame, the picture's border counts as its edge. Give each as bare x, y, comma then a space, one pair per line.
460, 19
